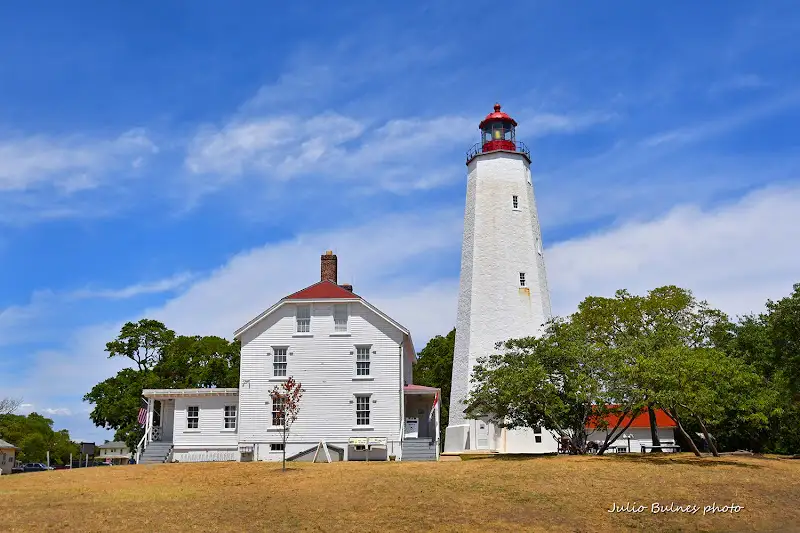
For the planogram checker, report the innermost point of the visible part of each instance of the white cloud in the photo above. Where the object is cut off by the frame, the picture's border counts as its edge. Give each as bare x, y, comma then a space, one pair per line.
534, 125
59, 411
726, 123
68, 164
377, 258
398, 155
735, 256
153, 287
42, 317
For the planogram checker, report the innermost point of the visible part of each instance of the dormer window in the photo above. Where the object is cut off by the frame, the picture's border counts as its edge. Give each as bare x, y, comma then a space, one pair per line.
303, 318
340, 318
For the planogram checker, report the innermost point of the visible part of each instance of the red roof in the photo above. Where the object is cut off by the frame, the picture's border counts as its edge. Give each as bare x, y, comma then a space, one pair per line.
497, 115
641, 421
322, 290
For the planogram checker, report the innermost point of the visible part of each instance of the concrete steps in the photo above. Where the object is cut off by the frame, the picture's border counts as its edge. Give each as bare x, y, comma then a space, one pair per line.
419, 450
156, 452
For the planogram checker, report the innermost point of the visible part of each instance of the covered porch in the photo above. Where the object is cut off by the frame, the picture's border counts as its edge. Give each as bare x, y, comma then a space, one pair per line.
420, 436
158, 416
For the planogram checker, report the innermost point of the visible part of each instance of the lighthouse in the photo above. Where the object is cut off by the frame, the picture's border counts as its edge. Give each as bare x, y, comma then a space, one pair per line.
503, 287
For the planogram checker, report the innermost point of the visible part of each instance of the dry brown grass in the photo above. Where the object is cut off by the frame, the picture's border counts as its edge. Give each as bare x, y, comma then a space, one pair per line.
539, 494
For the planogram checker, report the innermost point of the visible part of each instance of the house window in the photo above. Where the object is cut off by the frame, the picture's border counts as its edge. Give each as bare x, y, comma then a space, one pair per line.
515, 201
279, 362
230, 417
537, 434
362, 360
362, 410
303, 318
193, 417
277, 411
276, 447
522, 279
340, 318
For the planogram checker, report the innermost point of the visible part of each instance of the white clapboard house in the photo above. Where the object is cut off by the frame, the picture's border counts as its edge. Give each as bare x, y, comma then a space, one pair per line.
354, 363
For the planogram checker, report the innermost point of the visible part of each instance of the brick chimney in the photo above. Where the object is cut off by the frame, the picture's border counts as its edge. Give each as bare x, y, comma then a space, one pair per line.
328, 267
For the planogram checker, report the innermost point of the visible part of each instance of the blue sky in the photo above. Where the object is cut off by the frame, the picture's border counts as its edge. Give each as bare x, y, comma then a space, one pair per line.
189, 161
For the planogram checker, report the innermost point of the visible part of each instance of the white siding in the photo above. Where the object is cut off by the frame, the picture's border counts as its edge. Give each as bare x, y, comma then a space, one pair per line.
211, 432
7, 460
324, 362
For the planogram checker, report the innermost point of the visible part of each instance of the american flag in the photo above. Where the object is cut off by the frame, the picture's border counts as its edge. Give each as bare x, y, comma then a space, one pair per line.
433, 407
142, 416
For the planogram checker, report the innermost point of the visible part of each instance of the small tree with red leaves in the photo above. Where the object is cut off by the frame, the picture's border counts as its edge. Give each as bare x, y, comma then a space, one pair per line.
286, 401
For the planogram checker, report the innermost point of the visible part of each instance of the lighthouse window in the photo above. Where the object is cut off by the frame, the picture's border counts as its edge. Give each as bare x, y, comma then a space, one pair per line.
515, 201
522, 279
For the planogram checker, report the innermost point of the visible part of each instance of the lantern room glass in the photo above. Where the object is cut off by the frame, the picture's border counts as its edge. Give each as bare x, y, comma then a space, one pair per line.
498, 131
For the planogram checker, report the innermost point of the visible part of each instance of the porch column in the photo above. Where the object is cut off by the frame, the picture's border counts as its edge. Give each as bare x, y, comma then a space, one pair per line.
438, 414
149, 427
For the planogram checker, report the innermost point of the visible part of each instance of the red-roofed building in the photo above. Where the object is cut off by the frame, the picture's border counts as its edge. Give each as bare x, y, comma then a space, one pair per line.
638, 433
355, 365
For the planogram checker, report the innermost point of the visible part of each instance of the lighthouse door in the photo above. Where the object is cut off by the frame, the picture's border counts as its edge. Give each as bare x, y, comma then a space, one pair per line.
482, 437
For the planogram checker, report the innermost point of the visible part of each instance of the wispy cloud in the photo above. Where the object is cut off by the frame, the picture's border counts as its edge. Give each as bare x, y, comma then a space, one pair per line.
69, 164
131, 291
739, 82
18, 323
726, 123
44, 177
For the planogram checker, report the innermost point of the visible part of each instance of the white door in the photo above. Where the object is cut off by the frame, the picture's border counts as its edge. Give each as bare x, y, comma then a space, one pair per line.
482, 438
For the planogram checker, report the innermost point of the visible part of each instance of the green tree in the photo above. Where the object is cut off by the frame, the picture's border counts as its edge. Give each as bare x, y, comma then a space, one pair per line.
117, 400
768, 342
195, 362
434, 368
641, 328
559, 381
142, 342
34, 436
163, 360
704, 386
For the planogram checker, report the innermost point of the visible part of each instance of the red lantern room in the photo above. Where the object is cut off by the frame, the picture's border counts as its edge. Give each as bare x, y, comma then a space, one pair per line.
498, 132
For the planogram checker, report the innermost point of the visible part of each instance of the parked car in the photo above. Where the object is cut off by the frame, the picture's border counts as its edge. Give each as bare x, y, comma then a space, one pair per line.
35, 467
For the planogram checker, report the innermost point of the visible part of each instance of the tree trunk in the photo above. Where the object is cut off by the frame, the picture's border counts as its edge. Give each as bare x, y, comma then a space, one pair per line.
674, 416
284, 446
711, 445
653, 429
609, 441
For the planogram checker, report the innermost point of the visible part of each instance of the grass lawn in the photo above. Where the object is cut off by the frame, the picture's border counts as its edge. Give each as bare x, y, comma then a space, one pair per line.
493, 494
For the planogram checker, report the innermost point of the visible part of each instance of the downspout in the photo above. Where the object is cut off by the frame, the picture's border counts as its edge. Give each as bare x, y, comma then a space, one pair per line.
438, 421
402, 396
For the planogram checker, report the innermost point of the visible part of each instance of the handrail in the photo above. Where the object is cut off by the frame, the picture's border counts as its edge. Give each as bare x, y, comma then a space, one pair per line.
518, 146
139, 447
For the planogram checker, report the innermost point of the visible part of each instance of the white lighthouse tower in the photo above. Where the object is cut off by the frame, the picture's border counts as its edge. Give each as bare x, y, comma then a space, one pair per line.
503, 291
